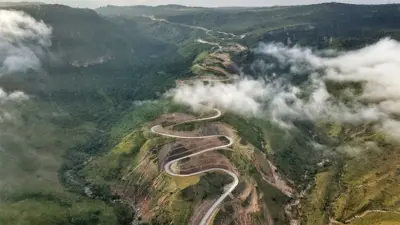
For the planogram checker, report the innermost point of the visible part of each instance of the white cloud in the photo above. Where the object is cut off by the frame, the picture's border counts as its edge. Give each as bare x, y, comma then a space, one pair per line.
16, 96
242, 97
8, 102
375, 66
23, 40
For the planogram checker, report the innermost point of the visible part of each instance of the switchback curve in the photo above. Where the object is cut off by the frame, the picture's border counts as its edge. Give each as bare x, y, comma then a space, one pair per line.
159, 130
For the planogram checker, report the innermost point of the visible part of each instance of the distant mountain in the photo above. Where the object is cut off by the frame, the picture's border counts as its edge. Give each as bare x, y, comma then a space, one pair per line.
90, 77
110, 55
2, 4
71, 152
261, 19
131, 11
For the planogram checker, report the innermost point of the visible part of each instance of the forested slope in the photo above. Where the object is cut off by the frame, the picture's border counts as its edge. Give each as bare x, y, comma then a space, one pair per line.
66, 156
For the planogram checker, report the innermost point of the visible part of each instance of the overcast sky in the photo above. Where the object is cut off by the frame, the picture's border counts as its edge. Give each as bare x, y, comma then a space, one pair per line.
212, 3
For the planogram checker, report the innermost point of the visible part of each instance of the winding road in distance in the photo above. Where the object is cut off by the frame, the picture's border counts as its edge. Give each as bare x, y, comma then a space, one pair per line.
206, 30
158, 129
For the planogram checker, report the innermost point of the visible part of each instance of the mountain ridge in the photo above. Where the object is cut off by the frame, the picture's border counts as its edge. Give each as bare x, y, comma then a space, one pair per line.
78, 149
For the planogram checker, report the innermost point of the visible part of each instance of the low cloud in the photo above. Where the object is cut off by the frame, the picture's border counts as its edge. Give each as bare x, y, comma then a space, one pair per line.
375, 67
8, 102
16, 96
376, 98
242, 97
23, 41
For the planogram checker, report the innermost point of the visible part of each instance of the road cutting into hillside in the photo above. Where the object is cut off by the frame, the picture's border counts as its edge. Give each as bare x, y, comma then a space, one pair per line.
199, 150
168, 167
206, 30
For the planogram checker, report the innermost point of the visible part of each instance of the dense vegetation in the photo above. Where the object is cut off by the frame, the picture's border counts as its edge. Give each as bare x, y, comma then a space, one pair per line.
98, 69
331, 17
83, 129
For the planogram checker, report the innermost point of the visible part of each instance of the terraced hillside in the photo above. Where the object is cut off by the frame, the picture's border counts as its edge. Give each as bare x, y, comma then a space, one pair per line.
147, 183
95, 135
282, 177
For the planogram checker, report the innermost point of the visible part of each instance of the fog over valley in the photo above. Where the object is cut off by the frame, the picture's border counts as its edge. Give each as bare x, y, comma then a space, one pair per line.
142, 115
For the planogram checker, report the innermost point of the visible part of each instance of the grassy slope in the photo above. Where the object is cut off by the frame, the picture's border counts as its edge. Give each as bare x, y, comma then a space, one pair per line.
342, 190
30, 191
314, 205
378, 219
365, 179
117, 168
122, 164
325, 200
171, 199
375, 188
69, 91
71, 112
51, 209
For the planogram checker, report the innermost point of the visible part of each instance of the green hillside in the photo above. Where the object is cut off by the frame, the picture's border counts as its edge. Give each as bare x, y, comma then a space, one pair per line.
73, 153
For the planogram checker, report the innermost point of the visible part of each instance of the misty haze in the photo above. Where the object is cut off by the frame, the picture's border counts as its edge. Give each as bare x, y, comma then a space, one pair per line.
165, 113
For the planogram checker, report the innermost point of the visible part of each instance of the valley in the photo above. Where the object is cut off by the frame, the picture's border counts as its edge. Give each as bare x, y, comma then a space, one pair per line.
179, 115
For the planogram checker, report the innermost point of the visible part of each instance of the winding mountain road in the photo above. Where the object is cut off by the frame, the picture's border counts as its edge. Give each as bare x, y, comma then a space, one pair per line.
159, 130
206, 30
